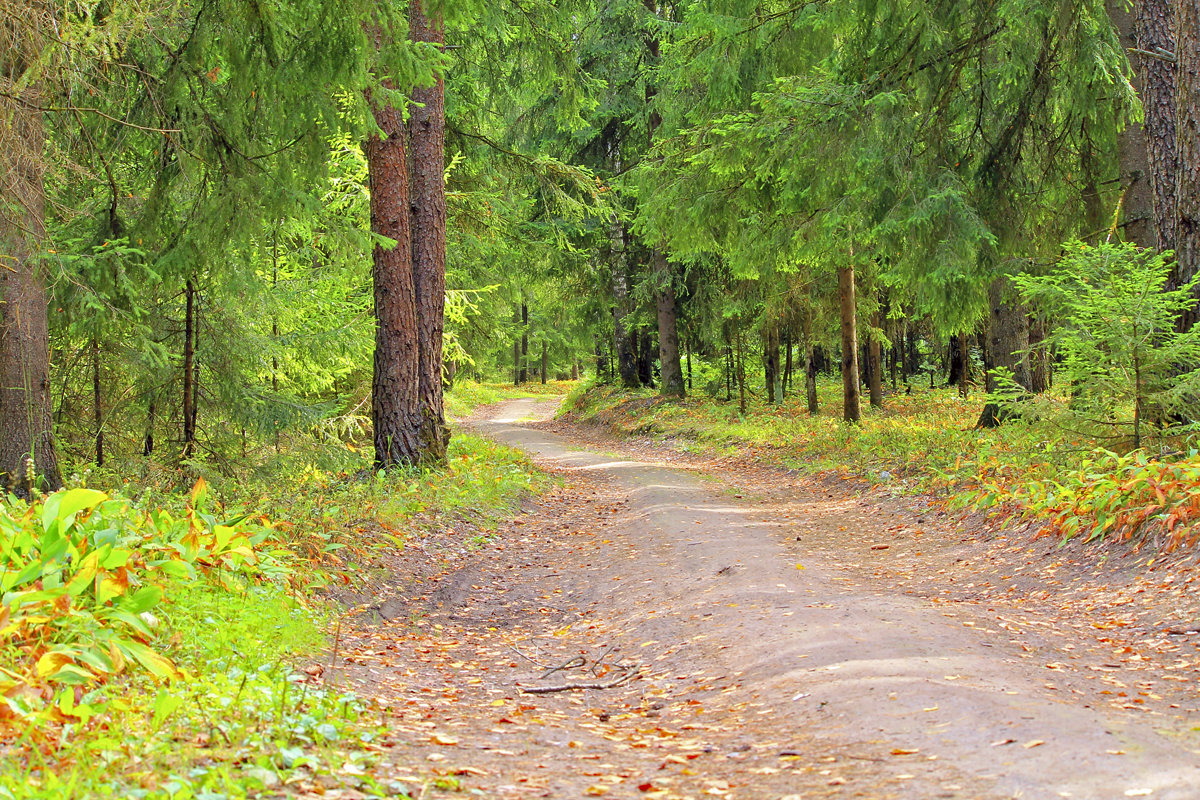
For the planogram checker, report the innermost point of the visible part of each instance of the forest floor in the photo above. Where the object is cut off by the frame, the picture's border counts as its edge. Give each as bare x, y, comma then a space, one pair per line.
746, 632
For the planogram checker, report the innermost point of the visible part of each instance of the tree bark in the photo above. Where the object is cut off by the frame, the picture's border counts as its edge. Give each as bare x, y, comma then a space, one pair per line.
524, 342
645, 358
1187, 186
770, 364
875, 362
97, 406
668, 329
786, 385
810, 364
545, 363
851, 411
1137, 197
1154, 28
1008, 341
427, 132
189, 372
26, 427
741, 372
395, 387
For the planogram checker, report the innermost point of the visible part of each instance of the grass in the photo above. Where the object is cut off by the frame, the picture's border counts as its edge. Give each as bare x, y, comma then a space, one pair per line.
226, 710
927, 442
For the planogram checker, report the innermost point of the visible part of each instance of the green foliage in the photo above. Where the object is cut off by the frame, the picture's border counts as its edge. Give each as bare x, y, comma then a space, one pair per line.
1115, 333
83, 574
1108, 495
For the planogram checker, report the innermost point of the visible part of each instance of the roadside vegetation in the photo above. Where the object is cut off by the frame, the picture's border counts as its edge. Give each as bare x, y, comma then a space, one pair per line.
927, 441
156, 640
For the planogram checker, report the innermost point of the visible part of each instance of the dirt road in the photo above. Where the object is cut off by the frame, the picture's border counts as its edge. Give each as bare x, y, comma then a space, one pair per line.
753, 639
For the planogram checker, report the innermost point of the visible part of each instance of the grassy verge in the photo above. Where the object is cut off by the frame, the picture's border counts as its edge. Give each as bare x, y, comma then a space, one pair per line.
153, 645
927, 442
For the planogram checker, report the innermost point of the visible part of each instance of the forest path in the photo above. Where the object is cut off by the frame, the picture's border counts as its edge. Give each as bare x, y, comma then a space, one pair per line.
793, 639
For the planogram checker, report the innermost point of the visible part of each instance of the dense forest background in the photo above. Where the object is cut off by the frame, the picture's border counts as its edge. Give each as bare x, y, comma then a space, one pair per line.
721, 197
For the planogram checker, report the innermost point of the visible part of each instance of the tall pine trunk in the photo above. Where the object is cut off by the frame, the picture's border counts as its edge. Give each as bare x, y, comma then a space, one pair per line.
810, 364
1187, 186
1137, 196
851, 412
427, 132
524, 342
668, 329
395, 387
875, 361
189, 370
1154, 28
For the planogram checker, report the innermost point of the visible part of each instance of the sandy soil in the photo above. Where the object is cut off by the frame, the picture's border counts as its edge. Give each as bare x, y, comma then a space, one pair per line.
740, 632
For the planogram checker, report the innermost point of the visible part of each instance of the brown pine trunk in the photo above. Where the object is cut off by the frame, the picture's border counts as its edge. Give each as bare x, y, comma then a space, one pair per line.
97, 406
395, 409
189, 371
26, 427
1154, 27
668, 329
645, 358
1137, 197
851, 411
787, 364
1008, 340
427, 132
524, 343
1187, 186
770, 364
810, 364
517, 349
875, 360
741, 372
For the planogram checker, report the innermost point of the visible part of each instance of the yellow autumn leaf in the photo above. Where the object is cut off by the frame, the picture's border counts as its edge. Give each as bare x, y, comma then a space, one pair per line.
50, 663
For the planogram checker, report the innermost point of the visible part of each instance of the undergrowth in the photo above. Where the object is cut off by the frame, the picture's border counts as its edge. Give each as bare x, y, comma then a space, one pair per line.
152, 644
927, 442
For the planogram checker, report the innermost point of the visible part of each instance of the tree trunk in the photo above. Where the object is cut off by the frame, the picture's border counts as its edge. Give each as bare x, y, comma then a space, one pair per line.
787, 363
955, 360
148, 442
395, 387
771, 364
1009, 339
189, 372
810, 364
875, 360
97, 406
689, 364
645, 358
524, 343
1154, 27
517, 349
1137, 198
427, 131
1187, 186
544, 362
741, 372
850, 391
668, 329
964, 369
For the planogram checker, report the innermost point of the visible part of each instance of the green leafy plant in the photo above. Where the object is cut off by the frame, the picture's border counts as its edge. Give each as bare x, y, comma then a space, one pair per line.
1120, 353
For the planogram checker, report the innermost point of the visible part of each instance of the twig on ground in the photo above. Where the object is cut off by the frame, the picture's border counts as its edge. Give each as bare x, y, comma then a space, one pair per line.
568, 687
530, 659
577, 661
